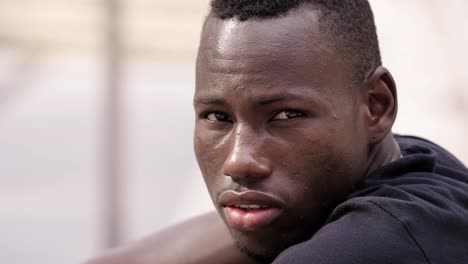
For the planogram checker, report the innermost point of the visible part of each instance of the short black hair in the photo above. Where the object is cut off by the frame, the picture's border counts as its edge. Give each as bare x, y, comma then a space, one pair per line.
348, 23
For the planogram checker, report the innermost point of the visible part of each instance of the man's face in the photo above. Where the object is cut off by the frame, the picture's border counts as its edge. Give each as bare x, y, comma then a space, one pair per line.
279, 134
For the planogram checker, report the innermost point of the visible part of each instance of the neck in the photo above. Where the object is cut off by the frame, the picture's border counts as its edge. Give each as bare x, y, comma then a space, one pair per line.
382, 153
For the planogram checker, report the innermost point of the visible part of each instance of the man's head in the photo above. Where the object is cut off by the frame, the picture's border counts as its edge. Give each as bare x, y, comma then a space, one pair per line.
290, 101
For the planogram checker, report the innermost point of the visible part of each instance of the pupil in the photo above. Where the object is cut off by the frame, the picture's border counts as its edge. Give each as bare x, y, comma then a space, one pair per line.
221, 116
292, 114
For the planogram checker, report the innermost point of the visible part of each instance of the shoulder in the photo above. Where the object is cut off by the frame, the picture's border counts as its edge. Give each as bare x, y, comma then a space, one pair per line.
362, 233
411, 145
399, 214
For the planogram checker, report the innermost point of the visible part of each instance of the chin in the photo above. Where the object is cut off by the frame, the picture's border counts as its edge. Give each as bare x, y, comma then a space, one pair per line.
263, 248
260, 256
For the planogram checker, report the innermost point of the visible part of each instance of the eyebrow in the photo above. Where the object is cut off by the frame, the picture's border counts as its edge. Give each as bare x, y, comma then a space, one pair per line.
277, 98
208, 101
268, 100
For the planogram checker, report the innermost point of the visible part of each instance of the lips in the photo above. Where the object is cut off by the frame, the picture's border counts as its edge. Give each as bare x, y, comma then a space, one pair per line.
250, 210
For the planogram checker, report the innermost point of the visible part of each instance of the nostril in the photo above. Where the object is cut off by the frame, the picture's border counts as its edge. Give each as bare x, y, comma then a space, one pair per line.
246, 167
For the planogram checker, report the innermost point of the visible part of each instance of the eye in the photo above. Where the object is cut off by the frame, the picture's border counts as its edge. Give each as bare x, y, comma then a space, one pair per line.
287, 114
218, 117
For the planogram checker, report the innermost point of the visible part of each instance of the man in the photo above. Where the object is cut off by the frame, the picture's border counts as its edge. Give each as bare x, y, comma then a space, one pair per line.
293, 137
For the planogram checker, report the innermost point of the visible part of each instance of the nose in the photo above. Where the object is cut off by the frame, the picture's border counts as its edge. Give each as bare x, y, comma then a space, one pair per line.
246, 160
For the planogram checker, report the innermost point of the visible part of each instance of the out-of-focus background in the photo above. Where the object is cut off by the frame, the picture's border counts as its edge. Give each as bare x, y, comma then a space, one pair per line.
96, 116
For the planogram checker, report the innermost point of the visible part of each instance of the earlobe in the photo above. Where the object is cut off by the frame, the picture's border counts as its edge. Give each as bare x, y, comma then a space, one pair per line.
381, 98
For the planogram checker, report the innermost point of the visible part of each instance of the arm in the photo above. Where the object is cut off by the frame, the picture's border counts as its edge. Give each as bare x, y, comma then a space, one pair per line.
203, 239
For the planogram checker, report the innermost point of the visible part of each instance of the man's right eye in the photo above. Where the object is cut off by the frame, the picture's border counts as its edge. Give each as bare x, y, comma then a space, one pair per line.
218, 117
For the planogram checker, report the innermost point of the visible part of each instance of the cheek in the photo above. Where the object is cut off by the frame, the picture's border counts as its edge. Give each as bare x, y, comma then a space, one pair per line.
316, 172
209, 155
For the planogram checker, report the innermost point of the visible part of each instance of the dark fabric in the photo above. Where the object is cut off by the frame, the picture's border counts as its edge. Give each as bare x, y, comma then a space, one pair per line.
414, 210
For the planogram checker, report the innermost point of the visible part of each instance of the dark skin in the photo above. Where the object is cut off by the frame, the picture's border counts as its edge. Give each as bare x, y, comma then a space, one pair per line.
277, 111
203, 240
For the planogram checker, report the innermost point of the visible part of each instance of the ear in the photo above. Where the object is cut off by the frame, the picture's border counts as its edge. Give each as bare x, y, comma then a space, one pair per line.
381, 97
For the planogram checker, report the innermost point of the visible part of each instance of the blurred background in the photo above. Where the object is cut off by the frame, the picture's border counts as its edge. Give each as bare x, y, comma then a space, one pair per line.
96, 116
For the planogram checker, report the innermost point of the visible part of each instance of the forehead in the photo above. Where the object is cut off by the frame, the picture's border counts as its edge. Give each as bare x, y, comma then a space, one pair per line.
269, 35
282, 51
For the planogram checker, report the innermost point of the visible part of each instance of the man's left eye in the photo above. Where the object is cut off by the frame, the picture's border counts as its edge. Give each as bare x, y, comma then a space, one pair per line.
287, 114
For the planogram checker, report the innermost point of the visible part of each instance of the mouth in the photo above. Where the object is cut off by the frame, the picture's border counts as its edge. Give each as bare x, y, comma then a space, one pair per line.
250, 210
249, 207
